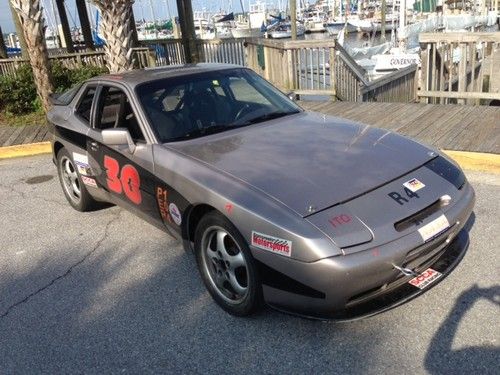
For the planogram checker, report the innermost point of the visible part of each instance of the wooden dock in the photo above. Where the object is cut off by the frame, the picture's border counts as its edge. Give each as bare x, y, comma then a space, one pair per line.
18, 135
450, 127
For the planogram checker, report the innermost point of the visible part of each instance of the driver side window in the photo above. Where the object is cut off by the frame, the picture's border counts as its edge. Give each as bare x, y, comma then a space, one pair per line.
116, 112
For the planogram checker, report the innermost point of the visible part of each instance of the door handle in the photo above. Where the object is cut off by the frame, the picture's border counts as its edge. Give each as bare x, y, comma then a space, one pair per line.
94, 146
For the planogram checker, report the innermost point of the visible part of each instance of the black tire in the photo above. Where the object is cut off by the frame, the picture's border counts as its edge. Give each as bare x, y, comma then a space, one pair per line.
83, 201
229, 270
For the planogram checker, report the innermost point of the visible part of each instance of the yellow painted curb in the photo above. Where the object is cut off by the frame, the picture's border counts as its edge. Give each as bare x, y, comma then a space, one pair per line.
25, 150
476, 161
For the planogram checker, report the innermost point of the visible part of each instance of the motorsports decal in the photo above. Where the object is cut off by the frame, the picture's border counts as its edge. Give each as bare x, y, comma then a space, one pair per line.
273, 244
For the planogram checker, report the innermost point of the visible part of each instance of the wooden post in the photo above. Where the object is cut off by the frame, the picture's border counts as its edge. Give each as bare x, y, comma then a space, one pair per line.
65, 26
293, 18
185, 11
3, 48
462, 72
85, 24
19, 32
135, 38
333, 78
382, 15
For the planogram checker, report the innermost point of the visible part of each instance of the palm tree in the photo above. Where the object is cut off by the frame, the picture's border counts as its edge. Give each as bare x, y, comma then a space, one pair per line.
117, 30
30, 15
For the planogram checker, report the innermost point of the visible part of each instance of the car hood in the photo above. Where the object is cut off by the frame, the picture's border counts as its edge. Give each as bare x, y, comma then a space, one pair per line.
308, 161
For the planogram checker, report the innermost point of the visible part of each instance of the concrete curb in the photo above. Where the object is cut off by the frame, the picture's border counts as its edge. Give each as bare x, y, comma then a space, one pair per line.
25, 150
475, 161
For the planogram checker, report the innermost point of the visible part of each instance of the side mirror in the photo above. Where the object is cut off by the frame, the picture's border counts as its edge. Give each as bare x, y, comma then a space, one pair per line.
118, 137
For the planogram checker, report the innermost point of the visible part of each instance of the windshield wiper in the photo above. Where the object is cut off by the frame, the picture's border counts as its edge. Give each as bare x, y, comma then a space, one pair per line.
267, 116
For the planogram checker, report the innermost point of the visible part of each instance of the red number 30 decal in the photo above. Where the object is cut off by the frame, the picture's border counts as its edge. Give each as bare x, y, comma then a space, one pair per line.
128, 182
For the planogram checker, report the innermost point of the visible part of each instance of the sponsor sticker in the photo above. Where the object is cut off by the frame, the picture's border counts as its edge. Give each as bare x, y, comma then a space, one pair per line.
273, 244
425, 278
82, 164
162, 199
88, 181
414, 185
175, 214
434, 228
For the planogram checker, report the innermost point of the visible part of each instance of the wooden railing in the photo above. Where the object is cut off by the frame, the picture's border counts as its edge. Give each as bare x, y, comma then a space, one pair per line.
228, 51
349, 76
306, 67
142, 58
460, 67
171, 52
399, 86
166, 51
299, 66
69, 60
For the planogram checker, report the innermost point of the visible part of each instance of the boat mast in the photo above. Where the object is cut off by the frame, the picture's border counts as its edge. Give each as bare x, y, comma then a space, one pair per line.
154, 17
168, 10
402, 24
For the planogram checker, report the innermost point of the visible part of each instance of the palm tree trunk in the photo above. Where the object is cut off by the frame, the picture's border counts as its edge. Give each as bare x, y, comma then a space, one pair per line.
3, 47
115, 21
31, 18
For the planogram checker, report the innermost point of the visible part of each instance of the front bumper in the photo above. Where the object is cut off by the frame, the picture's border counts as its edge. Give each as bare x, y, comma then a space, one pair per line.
364, 283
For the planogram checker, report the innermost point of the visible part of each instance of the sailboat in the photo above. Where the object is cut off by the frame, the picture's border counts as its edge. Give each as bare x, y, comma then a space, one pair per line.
252, 26
335, 25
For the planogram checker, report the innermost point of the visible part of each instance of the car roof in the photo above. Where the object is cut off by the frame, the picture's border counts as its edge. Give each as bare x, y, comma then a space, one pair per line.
135, 77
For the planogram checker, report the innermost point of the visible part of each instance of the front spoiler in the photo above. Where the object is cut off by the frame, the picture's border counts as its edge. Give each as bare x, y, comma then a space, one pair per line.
400, 292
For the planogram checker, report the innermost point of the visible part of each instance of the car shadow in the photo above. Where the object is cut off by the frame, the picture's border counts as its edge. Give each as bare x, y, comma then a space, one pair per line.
442, 358
110, 315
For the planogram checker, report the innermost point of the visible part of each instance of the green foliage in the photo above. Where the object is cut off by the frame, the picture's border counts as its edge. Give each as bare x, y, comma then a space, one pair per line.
18, 93
65, 78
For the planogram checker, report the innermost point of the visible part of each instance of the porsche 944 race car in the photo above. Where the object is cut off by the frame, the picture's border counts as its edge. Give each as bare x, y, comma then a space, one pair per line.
315, 215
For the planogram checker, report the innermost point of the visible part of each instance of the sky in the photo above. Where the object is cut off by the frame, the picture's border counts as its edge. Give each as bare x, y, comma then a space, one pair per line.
141, 8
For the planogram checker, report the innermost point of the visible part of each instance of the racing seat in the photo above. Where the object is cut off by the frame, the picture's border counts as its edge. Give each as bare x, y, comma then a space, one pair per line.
200, 109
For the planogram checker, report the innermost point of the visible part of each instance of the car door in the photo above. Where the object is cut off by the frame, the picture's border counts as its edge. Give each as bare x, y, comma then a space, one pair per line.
127, 176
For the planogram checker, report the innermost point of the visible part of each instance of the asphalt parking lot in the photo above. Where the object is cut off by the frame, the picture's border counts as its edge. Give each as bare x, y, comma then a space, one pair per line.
105, 292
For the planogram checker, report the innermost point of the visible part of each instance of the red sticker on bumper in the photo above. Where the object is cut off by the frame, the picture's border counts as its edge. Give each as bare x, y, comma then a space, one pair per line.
425, 278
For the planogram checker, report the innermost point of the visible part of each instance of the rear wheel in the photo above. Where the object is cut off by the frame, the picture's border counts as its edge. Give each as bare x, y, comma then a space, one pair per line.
71, 183
227, 266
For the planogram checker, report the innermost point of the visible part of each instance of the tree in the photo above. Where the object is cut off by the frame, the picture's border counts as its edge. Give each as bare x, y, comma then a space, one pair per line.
30, 15
117, 30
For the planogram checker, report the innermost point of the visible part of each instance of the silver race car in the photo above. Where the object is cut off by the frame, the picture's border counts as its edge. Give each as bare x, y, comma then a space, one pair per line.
314, 215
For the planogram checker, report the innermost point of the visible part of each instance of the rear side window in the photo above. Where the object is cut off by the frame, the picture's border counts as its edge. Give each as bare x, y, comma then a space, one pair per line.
66, 97
85, 105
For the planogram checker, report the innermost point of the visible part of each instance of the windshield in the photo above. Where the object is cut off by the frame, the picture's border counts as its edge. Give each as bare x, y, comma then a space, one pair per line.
192, 106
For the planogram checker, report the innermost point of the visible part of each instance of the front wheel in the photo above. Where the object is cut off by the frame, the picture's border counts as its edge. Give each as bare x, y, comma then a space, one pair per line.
227, 266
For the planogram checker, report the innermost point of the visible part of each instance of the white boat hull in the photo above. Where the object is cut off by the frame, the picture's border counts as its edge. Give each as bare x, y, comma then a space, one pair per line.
247, 33
334, 28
